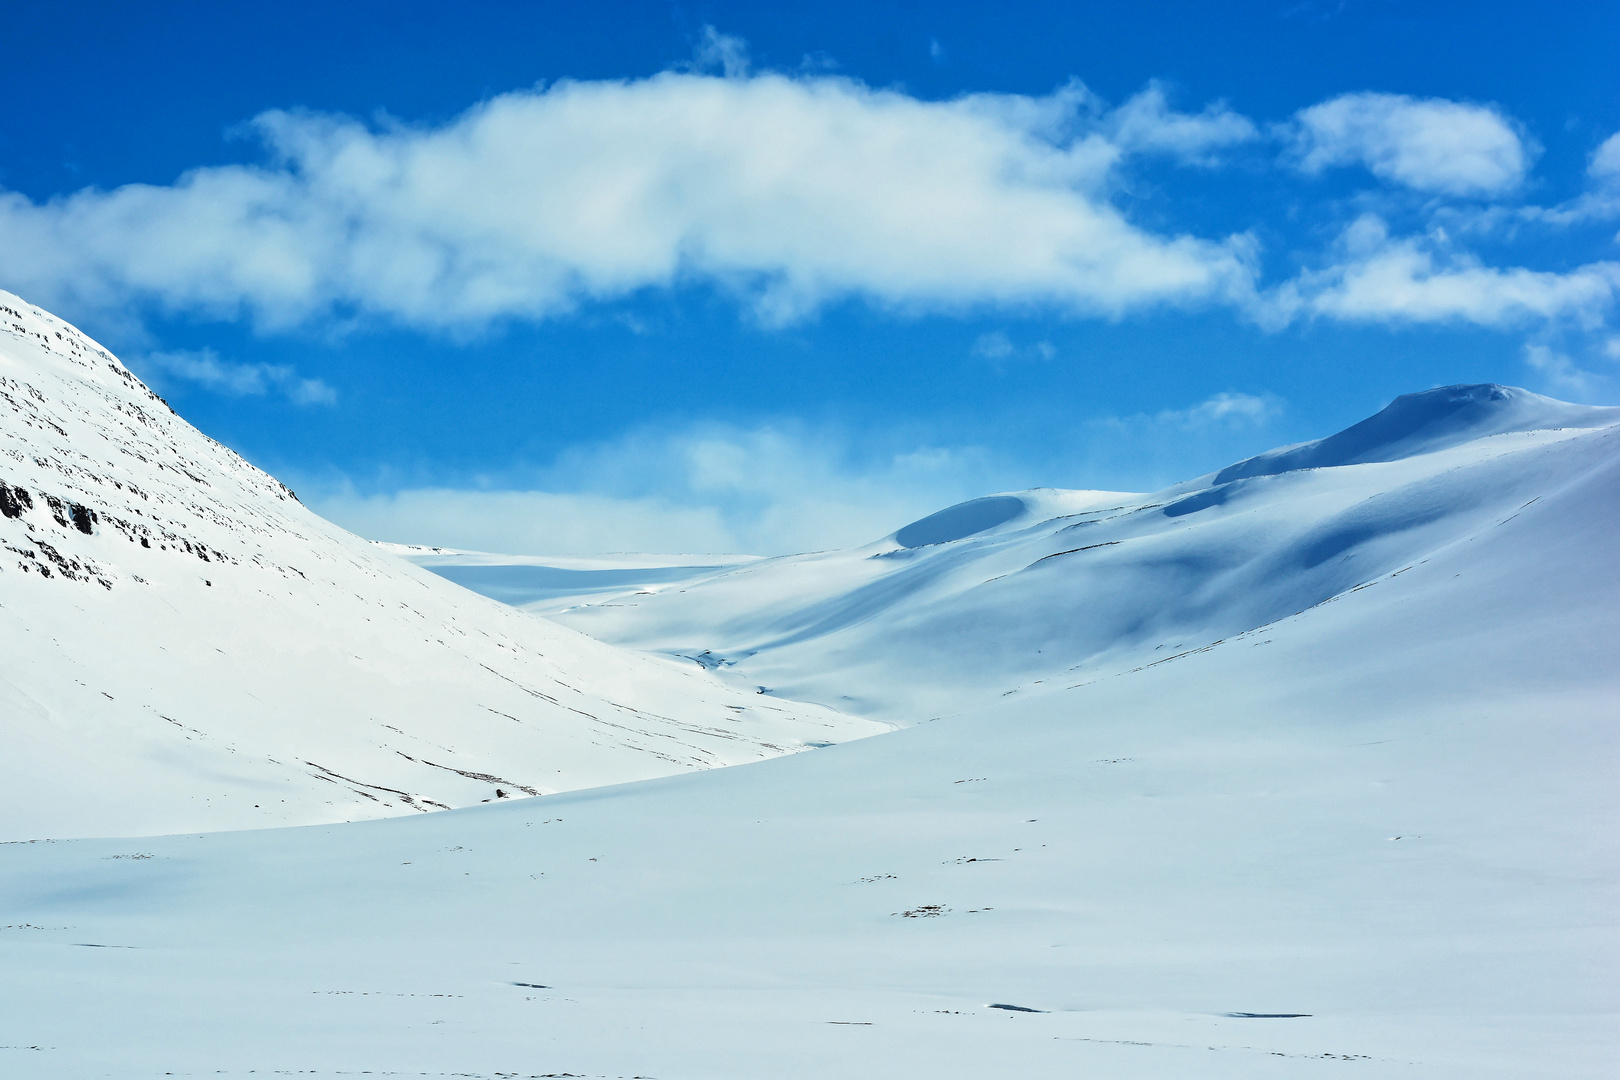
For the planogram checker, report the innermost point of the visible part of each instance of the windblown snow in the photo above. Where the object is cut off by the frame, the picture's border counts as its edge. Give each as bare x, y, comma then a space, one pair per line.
1303, 768
184, 646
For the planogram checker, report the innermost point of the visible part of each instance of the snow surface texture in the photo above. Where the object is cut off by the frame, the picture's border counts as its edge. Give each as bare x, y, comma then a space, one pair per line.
184, 646
1324, 789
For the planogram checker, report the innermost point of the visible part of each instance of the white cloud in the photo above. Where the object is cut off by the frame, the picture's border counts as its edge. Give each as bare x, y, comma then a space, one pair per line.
721, 52
1560, 370
205, 368
763, 490
1226, 410
998, 351
1417, 280
1429, 144
789, 190
1600, 200
1228, 407
1146, 123
1149, 450
529, 522
1602, 197
1577, 367
993, 346
1604, 168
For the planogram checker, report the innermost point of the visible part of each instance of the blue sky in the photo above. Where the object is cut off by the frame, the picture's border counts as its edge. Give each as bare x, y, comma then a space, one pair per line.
651, 276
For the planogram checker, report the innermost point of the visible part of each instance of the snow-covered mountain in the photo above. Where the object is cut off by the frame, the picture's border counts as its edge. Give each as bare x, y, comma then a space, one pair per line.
1013, 591
184, 646
1302, 774
1301, 767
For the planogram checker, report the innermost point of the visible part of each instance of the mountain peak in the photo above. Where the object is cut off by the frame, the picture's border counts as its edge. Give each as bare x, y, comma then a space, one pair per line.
1426, 421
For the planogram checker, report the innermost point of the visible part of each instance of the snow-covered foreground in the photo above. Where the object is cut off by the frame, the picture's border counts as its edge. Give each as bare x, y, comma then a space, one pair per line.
184, 646
1338, 802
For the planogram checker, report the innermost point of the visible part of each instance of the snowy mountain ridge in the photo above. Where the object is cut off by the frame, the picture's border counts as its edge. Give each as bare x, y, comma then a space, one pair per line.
1010, 592
1425, 422
184, 646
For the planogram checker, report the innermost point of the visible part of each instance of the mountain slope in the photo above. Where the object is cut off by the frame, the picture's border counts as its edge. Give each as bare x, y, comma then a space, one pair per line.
1437, 419
1013, 591
184, 646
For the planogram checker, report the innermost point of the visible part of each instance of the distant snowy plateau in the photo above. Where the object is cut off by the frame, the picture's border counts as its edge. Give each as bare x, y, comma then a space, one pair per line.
1303, 768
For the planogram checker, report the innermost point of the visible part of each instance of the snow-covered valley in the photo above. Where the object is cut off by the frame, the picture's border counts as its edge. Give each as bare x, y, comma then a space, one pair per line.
1303, 768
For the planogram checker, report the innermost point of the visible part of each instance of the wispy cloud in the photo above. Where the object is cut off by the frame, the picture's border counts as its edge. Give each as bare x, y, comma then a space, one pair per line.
722, 53
1226, 410
1579, 368
1430, 144
993, 346
768, 489
1379, 278
1600, 200
1229, 408
204, 368
1604, 168
1148, 450
1147, 124
998, 350
530, 522
783, 487
1559, 369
